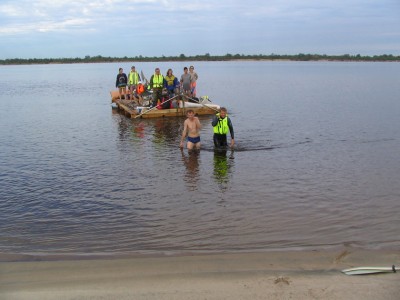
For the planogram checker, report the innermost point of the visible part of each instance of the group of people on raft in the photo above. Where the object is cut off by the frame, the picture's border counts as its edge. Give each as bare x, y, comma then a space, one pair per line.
133, 87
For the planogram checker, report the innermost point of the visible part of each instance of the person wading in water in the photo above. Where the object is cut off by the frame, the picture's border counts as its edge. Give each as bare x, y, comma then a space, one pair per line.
221, 124
191, 128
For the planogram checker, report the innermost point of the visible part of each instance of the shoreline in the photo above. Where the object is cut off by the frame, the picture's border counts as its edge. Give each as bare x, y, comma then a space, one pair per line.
333, 60
46, 256
250, 275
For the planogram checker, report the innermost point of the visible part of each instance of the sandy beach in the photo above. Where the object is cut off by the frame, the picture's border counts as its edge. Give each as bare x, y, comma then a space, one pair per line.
269, 275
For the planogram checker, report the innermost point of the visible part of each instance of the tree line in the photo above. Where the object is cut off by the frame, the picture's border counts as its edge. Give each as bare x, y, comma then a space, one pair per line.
205, 57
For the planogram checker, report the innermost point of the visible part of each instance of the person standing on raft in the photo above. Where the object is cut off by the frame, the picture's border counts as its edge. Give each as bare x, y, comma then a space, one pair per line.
221, 124
193, 81
121, 83
157, 84
133, 81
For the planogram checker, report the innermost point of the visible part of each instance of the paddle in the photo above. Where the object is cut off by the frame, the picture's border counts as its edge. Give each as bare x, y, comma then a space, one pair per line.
156, 107
369, 270
143, 77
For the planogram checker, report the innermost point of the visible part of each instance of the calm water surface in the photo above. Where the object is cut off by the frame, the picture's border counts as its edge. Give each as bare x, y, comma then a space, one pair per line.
316, 163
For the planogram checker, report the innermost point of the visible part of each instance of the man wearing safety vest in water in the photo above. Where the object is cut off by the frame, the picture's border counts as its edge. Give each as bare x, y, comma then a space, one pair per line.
222, 123
133, 80
157, 84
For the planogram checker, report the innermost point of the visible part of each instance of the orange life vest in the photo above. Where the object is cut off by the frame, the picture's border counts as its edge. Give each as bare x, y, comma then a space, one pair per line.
140, 88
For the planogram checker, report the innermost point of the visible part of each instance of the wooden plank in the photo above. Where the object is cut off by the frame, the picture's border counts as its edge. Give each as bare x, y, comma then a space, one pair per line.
176, 112
161, 113
128, 111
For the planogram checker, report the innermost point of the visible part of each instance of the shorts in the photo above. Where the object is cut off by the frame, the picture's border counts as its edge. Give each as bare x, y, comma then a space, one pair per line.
194, 140
193, 87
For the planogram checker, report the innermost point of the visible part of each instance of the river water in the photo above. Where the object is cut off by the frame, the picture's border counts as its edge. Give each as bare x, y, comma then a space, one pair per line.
316, 163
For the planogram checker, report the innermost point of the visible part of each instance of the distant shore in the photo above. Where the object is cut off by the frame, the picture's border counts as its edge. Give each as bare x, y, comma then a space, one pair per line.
267, 275
206, 57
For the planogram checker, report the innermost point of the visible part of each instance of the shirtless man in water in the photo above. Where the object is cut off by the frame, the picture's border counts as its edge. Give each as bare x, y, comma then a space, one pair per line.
191, 128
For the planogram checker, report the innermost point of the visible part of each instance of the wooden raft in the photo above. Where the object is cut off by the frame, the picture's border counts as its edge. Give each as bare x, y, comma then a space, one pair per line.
123, 105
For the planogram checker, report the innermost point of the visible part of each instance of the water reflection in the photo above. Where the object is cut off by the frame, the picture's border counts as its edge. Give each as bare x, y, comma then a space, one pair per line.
223, 162
123, 128
139, 129
191, 162
166, 130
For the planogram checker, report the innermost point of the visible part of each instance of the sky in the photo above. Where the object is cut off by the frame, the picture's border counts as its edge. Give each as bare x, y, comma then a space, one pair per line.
79, 28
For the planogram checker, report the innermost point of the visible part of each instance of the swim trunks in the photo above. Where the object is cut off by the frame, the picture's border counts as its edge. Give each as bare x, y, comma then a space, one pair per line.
194, 140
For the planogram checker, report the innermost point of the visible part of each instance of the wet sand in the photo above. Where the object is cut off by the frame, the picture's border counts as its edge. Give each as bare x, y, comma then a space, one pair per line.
269, 275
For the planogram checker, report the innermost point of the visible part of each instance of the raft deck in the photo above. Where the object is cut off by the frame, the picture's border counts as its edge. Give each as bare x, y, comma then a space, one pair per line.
126, 107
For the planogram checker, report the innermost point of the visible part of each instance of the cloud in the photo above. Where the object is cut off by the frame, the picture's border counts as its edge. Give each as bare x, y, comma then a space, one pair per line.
46, 26
10, 10
24, 17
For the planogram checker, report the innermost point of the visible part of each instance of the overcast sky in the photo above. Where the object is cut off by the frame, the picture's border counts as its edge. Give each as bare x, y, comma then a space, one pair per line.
76, 28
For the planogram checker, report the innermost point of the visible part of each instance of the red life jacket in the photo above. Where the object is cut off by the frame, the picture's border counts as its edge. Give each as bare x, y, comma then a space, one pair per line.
140, 88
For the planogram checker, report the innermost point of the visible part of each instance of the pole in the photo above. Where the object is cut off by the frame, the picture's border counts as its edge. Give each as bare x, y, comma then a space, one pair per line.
155, 107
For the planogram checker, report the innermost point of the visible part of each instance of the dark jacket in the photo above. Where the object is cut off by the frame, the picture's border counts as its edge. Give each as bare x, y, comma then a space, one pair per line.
122, 80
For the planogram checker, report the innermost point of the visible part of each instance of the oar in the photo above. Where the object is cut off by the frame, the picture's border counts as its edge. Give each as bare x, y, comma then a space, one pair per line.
369, 270
202, 104
155, 107
143, 77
